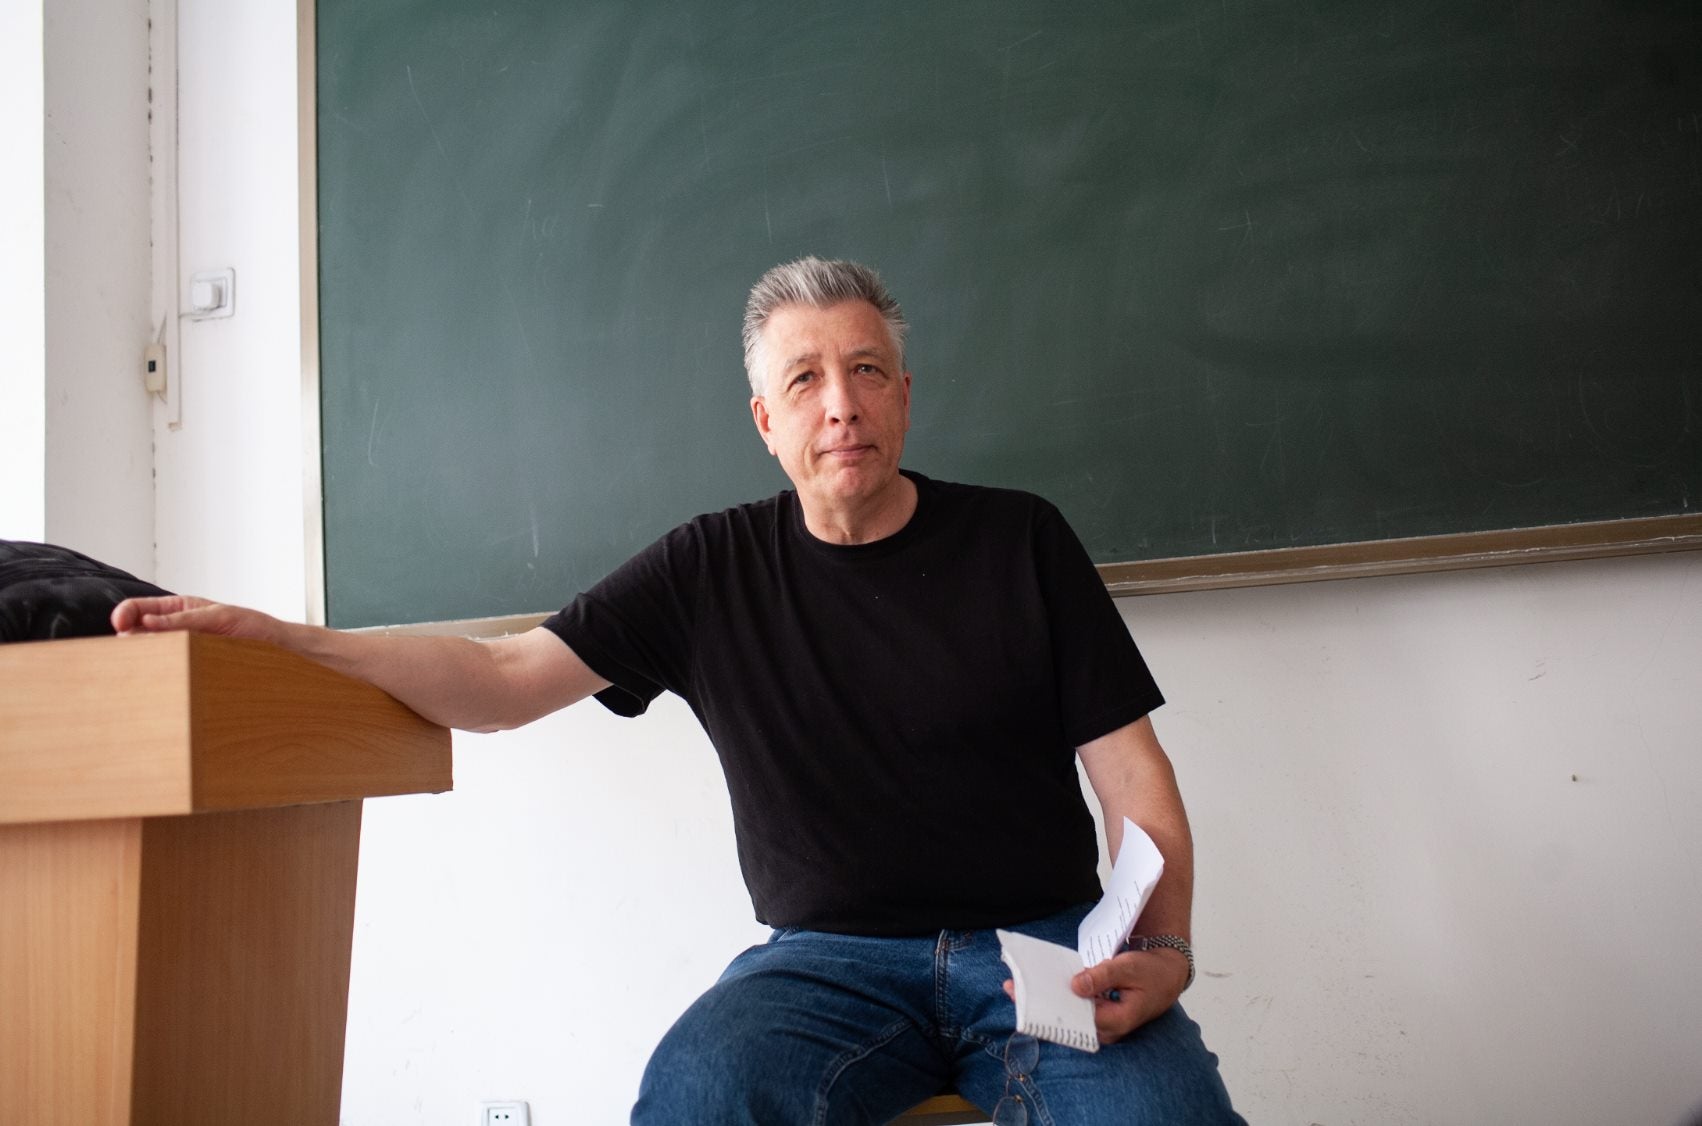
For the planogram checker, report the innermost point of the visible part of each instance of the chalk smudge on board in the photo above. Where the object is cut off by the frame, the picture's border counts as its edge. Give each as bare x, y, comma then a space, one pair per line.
1005, 82
372, 435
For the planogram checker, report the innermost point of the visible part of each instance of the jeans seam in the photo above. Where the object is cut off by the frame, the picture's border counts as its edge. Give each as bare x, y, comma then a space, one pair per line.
850, 1056
942, 1015
945, 1027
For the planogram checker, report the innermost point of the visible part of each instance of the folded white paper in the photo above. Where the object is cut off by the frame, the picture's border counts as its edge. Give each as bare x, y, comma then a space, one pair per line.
1045, 1005
1133, 878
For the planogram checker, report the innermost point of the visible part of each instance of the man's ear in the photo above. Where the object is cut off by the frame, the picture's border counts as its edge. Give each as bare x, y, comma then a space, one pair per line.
759, 415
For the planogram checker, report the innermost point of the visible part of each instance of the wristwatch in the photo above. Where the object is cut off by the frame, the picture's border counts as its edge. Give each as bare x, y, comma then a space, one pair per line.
1166, 941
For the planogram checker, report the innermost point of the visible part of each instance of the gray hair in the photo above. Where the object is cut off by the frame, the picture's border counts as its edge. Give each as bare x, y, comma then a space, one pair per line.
819, 284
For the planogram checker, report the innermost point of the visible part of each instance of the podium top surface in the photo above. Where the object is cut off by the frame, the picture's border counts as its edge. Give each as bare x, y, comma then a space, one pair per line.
176, 723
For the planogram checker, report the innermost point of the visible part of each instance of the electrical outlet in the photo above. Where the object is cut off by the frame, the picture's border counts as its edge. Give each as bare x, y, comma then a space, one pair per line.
153, 369
510, 1113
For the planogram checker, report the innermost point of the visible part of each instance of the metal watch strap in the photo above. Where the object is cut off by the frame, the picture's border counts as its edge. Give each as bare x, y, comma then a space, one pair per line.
1168, 941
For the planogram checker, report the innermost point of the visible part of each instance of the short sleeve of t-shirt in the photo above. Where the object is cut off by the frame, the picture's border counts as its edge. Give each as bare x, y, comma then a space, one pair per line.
634, 628
1103, 681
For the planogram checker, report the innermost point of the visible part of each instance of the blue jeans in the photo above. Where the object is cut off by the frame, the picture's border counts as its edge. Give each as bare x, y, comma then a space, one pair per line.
828, 1029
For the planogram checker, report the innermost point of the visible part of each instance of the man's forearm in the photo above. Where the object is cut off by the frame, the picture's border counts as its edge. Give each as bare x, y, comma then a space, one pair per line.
1170, 910
451, 681
1133, 778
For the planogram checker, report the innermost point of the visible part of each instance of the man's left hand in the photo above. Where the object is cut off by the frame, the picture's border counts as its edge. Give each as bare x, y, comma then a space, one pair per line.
1144, 984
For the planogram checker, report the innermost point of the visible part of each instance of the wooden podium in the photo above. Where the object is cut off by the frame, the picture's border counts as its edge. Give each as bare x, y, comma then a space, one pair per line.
179, 832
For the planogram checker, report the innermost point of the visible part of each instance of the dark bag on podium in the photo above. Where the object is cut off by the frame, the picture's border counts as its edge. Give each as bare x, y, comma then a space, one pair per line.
48, 591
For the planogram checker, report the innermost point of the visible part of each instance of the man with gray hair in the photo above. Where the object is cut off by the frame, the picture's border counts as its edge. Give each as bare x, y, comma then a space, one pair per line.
898, 675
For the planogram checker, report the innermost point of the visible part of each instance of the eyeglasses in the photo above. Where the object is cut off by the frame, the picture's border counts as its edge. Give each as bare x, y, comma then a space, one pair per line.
1022, 1052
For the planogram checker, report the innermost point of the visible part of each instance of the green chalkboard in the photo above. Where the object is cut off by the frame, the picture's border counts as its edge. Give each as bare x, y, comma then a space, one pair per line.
1214, 277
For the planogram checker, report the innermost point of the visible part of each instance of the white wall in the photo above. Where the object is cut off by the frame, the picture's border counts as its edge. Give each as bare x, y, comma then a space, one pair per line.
533, 934
1408, 909
229, 454
75, 450
99, 488
23, 324
1449, 860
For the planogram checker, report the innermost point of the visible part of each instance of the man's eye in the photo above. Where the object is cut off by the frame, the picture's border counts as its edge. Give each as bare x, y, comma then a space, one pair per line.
803, 377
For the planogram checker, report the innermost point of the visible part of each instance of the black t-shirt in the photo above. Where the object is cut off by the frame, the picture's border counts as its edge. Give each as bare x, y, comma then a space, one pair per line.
897, 720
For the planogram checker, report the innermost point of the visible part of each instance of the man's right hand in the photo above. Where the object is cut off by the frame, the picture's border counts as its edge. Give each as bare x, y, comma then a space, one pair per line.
198, 615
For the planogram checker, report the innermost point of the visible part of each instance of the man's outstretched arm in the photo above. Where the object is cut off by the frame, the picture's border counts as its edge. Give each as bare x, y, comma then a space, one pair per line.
453, 681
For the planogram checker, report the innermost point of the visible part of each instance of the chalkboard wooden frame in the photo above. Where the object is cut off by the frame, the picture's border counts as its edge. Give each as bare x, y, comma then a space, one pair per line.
1594, 539
307, 196
1368, 559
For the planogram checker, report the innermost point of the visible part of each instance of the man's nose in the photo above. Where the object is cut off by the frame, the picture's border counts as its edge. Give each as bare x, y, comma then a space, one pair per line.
841, 401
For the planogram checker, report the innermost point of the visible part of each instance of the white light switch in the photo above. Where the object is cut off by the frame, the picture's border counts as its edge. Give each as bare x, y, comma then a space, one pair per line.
212, 293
